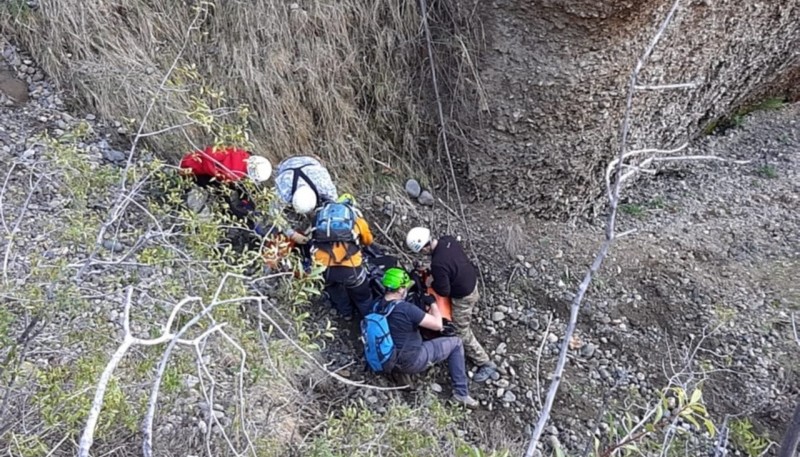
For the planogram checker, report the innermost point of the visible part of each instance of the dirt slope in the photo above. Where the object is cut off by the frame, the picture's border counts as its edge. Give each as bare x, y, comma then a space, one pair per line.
705, 289
714, 261
554, 75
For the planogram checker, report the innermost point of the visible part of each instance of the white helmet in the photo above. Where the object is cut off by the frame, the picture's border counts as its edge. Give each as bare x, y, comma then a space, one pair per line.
304, 200
258, 168
418, 238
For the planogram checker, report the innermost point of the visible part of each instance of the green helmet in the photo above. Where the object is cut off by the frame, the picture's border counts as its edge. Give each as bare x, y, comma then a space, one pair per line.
396, 278
347, 198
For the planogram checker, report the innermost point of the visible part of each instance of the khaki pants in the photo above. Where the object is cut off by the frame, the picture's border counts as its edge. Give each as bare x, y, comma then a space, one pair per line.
462, 317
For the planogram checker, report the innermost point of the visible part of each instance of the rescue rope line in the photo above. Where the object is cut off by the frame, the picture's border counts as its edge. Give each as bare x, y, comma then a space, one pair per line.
440, 110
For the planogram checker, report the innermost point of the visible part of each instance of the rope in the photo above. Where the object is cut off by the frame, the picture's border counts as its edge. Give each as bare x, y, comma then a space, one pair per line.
440, 110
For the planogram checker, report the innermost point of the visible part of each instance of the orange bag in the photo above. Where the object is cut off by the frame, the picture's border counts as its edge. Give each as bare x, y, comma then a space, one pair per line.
444, 303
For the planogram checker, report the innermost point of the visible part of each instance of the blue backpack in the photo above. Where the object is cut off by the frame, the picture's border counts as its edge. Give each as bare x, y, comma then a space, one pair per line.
335, 222
378, 344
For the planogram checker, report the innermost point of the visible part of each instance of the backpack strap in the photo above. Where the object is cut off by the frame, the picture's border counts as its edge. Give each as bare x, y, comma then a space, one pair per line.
297, 173
328, 247
391, 305
388, 307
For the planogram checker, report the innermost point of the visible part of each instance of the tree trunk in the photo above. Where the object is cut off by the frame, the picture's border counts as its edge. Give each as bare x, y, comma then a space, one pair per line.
554, 72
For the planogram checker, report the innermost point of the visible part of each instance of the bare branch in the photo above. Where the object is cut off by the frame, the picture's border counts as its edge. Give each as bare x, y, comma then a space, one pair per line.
625, 233
26, 337
3, 195
667, 86
394, 243
87, 438
449, 209
539, 361
614, 164
703, 157
315, 361
128, 340
10, 241
544, 415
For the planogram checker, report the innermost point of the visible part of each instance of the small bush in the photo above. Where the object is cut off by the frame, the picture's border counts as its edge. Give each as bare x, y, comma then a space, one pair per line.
357, 431
768, 172
737, 119
746, 439
632, 209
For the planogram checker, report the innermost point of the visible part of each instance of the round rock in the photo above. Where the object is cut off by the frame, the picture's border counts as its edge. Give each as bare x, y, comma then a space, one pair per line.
588, 350
15, 89
113, 245
413, 189
425, 198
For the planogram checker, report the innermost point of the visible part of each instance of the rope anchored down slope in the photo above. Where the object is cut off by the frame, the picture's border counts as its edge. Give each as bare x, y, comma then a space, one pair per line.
443, 131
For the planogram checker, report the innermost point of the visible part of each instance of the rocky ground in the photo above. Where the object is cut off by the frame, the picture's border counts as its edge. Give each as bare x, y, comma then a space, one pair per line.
708, 275
704, 289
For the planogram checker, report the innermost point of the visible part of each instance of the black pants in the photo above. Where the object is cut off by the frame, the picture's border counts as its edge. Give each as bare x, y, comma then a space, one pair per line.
348, 289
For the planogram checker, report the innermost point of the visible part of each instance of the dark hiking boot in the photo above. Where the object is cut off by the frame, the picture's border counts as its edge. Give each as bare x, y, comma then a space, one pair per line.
484, 372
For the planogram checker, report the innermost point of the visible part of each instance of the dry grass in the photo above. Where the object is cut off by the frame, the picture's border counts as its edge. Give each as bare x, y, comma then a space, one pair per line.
340, 78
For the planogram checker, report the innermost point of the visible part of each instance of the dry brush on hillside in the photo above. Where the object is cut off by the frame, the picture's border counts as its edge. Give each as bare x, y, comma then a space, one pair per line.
343, 80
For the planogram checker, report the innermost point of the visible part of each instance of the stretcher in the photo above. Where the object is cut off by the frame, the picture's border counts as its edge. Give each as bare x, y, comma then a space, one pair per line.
445, 304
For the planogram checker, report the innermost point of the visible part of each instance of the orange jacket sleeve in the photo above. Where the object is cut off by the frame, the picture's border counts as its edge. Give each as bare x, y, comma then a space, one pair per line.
364, 232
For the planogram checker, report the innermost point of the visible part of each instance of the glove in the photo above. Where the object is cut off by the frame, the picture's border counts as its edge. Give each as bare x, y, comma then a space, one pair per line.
263, 229
448, 329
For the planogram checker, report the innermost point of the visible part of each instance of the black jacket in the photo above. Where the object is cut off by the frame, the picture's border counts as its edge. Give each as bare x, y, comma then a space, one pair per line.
453, 274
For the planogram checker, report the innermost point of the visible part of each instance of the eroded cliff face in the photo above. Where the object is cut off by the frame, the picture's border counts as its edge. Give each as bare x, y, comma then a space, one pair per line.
554, 76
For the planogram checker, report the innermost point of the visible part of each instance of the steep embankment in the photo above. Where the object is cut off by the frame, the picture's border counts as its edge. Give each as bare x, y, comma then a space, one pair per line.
337, 79
554, 75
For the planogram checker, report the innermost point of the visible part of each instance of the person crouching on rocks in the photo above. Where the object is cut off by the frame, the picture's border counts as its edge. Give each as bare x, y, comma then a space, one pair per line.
304, 184
413, 354
456, 277
226, 166
337, 238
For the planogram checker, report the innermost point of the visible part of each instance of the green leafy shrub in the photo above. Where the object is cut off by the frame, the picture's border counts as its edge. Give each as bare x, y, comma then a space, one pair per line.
402, 431
746, 439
